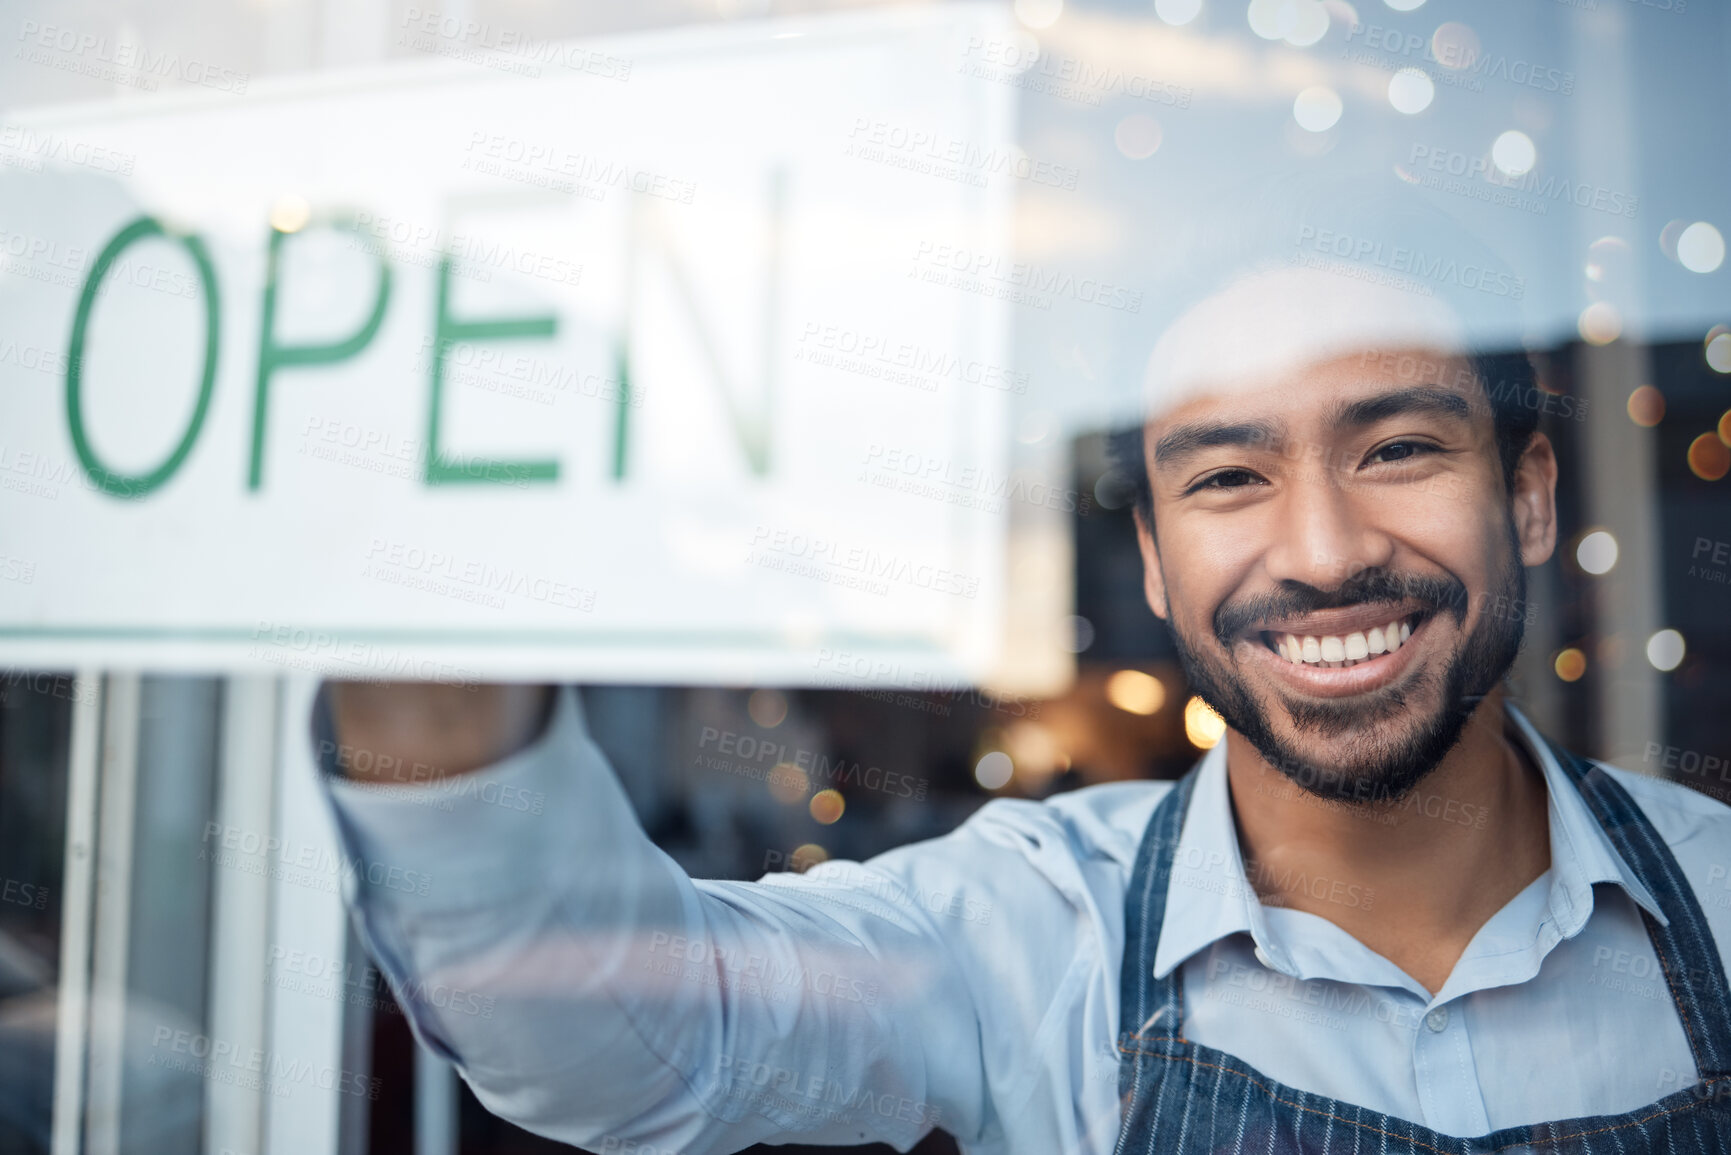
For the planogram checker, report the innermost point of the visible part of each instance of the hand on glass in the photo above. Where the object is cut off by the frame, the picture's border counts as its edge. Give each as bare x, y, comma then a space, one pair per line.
420, 731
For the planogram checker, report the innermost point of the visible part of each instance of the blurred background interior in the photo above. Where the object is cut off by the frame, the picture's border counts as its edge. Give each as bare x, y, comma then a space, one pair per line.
165, 871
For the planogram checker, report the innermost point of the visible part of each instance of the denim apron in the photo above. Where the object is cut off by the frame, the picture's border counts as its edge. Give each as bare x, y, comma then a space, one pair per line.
1182, 1098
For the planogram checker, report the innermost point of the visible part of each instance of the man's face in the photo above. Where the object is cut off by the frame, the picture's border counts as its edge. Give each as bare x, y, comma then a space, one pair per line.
1340, 562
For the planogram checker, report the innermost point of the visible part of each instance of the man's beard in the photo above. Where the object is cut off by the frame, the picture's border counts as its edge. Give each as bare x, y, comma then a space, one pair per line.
1386, 766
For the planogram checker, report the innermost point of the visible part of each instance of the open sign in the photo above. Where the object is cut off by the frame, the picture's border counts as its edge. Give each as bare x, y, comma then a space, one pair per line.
433, 370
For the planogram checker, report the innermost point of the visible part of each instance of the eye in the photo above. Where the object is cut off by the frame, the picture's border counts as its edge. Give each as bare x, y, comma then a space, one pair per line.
1225, 479
1399, 451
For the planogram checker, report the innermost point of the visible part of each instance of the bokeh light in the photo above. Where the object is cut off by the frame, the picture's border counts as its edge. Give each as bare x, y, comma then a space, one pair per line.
1454, 46
1035, 754
1202, 725
1646, 406
807, 856
1514, 153
1596, 553
1138, 136
788, 783
1606, 258
1700, 248
768, 708
1717, 348
1668, 237
1411, 90
1570, 664
1113, 490
290, 214
1665, 650
1177, 12
1309, 25
1135, 692
993, 770
1317, 109
1600, 323
1724, 429
1039, 13
827, 806
1709, 459
1081, 633
1272, 19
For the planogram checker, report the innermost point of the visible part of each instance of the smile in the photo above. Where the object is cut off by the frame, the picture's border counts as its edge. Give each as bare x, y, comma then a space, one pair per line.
1341, 653
1344, 649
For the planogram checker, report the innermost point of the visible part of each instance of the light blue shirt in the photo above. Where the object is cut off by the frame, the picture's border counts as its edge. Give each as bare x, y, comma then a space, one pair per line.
589, 990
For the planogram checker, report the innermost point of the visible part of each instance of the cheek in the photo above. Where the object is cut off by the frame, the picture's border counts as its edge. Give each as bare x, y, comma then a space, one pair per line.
1472, 549
1498, 553
1202, 568
1457, 522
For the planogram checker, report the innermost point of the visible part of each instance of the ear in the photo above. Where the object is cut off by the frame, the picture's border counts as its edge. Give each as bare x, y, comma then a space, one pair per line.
1534, 501
1153, 579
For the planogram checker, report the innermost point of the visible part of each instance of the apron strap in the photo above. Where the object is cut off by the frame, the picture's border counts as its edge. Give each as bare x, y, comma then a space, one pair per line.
1150, 1008
1686, 948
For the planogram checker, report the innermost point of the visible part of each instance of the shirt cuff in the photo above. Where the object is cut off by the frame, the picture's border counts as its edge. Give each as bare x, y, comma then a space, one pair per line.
470, 840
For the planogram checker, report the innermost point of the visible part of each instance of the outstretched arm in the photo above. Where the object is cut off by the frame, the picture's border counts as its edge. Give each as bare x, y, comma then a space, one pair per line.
587, 989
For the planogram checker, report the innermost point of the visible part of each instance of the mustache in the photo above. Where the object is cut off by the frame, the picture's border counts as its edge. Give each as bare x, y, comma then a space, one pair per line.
1369, 587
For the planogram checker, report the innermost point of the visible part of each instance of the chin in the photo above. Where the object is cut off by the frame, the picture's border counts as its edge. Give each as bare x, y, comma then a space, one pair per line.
1363, 731
1366, 752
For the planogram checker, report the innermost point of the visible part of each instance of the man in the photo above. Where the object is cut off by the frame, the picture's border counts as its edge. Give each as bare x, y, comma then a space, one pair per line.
1385, 914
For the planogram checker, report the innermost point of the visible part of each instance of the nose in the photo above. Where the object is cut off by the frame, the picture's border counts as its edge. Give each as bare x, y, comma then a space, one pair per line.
1324, 536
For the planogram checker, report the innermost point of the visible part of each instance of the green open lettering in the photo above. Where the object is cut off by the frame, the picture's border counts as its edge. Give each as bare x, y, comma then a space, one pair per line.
448, 331
272, 356
109, 481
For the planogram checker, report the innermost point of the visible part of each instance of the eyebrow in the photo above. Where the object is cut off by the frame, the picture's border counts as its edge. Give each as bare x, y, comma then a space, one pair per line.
1184, 440
1399, 402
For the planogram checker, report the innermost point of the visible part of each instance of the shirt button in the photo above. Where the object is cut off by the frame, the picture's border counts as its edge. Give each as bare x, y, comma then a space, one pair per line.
1262, 957
1438, 1019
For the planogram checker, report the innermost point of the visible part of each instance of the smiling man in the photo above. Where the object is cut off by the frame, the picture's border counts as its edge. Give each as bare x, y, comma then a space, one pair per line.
1385, 914
1335, 518
1335, 524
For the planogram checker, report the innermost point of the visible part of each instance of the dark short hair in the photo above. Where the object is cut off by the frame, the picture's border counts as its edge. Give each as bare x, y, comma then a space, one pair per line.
1509, 384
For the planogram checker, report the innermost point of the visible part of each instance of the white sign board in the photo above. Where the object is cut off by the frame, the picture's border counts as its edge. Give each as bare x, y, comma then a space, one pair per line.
608, 360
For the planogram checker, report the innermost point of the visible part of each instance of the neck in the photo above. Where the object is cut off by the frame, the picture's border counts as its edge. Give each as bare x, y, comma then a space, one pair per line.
1412, 879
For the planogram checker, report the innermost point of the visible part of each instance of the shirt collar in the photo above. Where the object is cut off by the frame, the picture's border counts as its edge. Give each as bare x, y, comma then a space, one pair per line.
1581, 852
1210, 896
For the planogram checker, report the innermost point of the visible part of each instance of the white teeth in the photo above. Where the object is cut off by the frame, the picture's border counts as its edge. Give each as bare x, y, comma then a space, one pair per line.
1333, 651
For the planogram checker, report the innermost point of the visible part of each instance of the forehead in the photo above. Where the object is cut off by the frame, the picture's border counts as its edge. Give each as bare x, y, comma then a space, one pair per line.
1347, 391
1297, 336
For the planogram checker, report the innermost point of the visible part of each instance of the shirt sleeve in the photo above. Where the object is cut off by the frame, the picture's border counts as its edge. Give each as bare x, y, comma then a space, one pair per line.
588, 990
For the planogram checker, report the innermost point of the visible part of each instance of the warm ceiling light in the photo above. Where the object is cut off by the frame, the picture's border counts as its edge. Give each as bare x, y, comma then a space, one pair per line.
1202, 725
1134, 692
